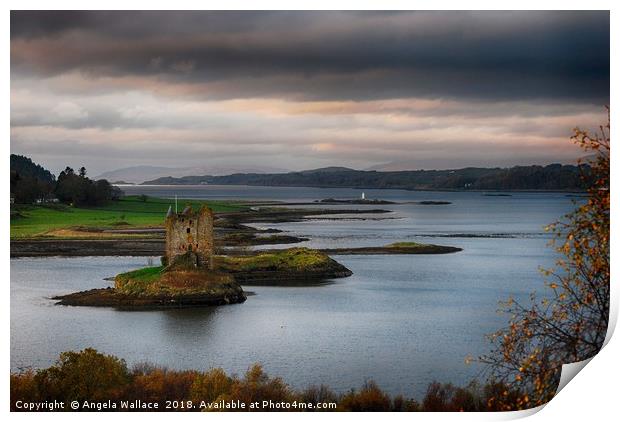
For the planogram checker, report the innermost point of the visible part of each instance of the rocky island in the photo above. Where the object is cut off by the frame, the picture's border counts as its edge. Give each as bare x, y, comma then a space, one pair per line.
186, 278
185, 285
192, 275
154, 287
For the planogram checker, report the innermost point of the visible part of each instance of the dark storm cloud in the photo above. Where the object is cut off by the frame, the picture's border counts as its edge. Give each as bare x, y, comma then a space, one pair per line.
31, 24
306, 89
327, 55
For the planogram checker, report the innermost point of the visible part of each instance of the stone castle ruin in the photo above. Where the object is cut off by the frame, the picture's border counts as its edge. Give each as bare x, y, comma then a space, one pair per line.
189, 238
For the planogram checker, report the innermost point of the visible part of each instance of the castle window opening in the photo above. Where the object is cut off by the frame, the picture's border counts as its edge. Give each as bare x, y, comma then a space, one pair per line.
188, 229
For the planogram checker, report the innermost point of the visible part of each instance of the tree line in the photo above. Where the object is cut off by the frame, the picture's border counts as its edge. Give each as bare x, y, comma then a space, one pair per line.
31, 183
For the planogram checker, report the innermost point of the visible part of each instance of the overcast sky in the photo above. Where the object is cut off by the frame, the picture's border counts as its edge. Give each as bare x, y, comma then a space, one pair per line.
300, 90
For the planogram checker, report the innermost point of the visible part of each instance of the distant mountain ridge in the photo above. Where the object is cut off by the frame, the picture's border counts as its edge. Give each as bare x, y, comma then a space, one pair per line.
326, 170
420, 164
550, 177
139, 174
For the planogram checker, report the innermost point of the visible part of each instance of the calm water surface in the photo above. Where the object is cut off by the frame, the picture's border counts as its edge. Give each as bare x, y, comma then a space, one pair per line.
403, 321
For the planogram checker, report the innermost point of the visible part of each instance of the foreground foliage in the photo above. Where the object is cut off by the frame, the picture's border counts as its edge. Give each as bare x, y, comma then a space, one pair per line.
570, 323
92, 376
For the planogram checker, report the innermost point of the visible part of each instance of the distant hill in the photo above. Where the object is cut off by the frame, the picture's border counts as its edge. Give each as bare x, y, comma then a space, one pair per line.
138, 174
25, 167
551, 177
418, 164
326, 170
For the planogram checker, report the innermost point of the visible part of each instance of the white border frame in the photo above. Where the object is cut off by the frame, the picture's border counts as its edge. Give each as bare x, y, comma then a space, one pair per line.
591, 395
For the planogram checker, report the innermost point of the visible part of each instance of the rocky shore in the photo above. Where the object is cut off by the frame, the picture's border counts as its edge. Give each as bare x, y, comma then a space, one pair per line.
292, 278
87, 247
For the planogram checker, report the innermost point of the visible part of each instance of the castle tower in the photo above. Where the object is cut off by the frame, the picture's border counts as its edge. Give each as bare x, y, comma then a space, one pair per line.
190, 231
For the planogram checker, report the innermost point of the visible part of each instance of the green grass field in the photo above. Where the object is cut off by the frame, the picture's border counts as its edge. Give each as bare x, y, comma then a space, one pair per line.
35, 220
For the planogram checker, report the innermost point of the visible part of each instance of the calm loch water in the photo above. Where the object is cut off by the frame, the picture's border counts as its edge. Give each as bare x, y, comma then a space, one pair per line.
403, 321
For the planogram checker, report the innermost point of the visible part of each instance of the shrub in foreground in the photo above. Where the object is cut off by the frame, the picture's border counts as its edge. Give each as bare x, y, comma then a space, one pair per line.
95, 377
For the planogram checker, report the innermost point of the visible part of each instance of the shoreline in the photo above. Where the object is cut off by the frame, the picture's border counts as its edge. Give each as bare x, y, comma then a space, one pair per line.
80, 248
234, 233
231, 230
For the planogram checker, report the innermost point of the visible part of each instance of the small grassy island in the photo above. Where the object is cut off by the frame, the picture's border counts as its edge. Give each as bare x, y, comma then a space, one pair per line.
398, 248
155, 287
282, 267
185, 286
